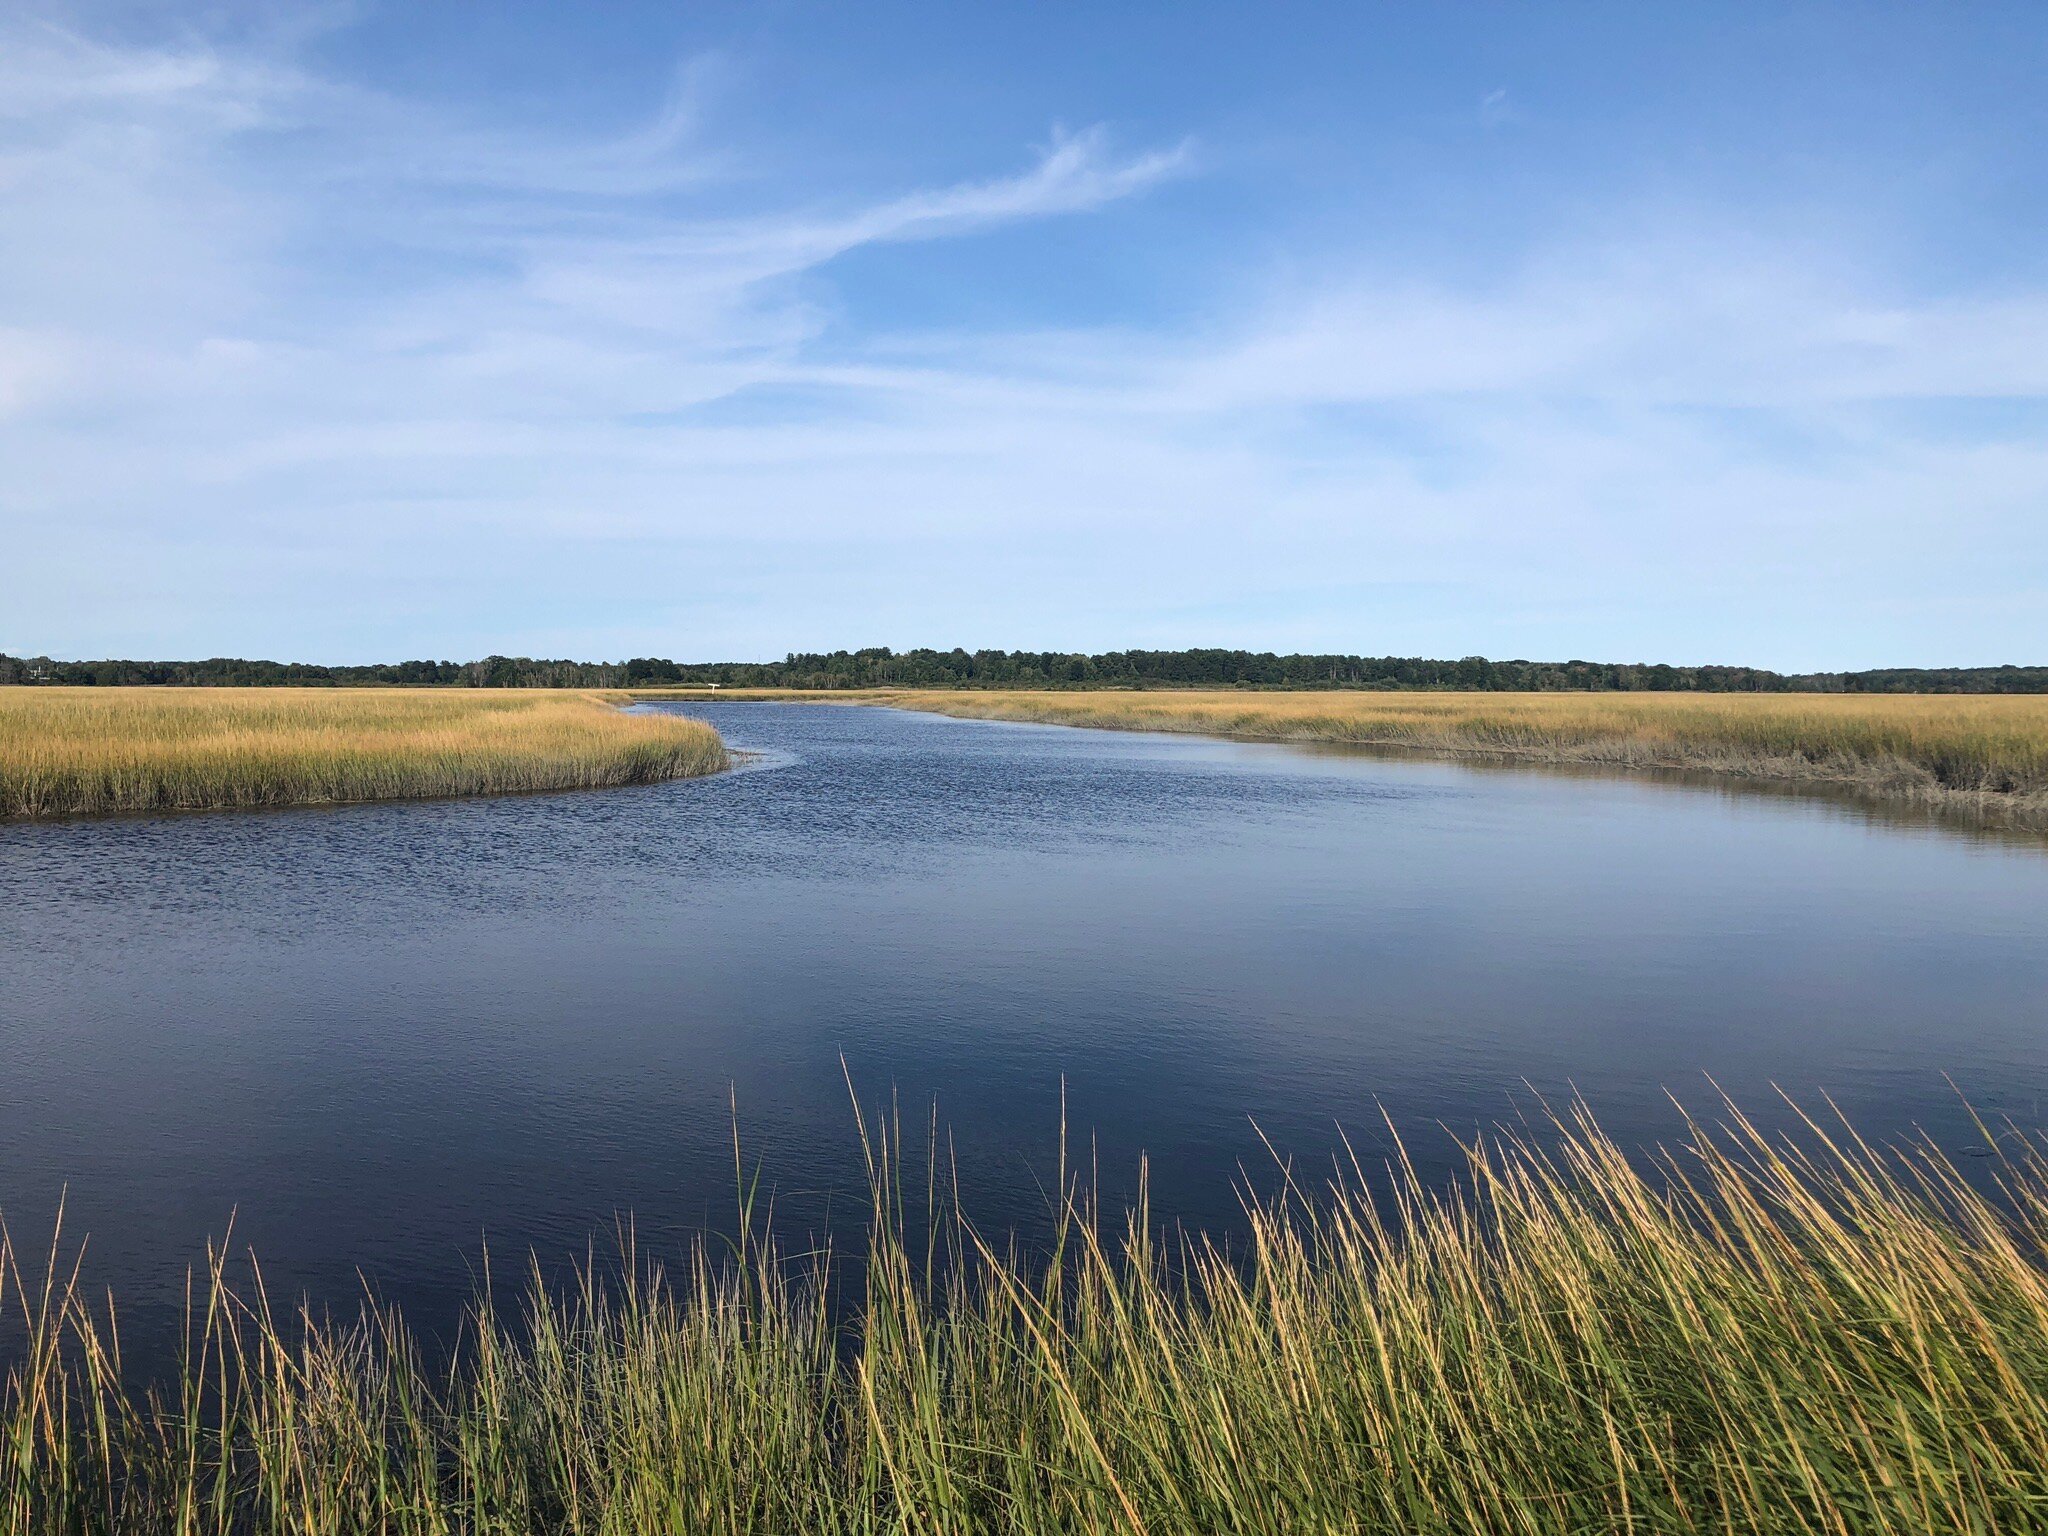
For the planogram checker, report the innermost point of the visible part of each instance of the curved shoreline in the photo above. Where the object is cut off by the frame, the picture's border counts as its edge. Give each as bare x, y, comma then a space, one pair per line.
1976, 758
84, 752
1896, 783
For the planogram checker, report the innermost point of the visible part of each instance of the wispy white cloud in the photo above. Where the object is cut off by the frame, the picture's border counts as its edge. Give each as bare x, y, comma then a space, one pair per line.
250, 362
51, 75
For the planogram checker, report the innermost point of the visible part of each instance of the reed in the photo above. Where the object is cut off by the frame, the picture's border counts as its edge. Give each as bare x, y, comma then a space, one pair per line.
85, 751
1983, 755
1741, 1334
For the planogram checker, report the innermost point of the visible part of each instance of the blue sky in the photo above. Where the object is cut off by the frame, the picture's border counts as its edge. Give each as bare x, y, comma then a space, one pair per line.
1686, 333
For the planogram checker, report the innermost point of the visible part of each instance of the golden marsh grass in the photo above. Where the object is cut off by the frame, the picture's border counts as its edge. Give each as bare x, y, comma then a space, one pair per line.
1985, 754
89, 751
1743, 1335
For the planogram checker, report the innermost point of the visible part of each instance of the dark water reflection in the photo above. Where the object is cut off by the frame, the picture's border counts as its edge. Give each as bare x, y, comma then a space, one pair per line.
378, 1033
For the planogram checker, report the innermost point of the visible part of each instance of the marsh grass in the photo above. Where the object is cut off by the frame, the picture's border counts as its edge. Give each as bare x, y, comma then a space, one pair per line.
1983, 754
86, 751
1743, 1334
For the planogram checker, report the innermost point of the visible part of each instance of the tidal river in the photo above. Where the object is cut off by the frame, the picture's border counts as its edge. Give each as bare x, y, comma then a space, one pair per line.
375, 1036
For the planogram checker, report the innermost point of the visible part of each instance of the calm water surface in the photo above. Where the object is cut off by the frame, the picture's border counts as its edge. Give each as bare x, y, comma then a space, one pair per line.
376, 1034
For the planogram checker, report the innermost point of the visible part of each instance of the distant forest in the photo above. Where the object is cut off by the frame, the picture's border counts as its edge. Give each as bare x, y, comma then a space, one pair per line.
881, 667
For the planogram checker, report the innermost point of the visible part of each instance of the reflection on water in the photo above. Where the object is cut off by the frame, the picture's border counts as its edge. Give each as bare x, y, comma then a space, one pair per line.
378, 1033
1960, 816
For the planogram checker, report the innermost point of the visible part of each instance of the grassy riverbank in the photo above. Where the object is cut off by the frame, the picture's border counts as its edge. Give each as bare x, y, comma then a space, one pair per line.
87, 751
1741, 1339
1984, 755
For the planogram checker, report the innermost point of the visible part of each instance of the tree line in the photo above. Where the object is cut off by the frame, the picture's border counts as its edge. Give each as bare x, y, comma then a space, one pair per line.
881, 667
